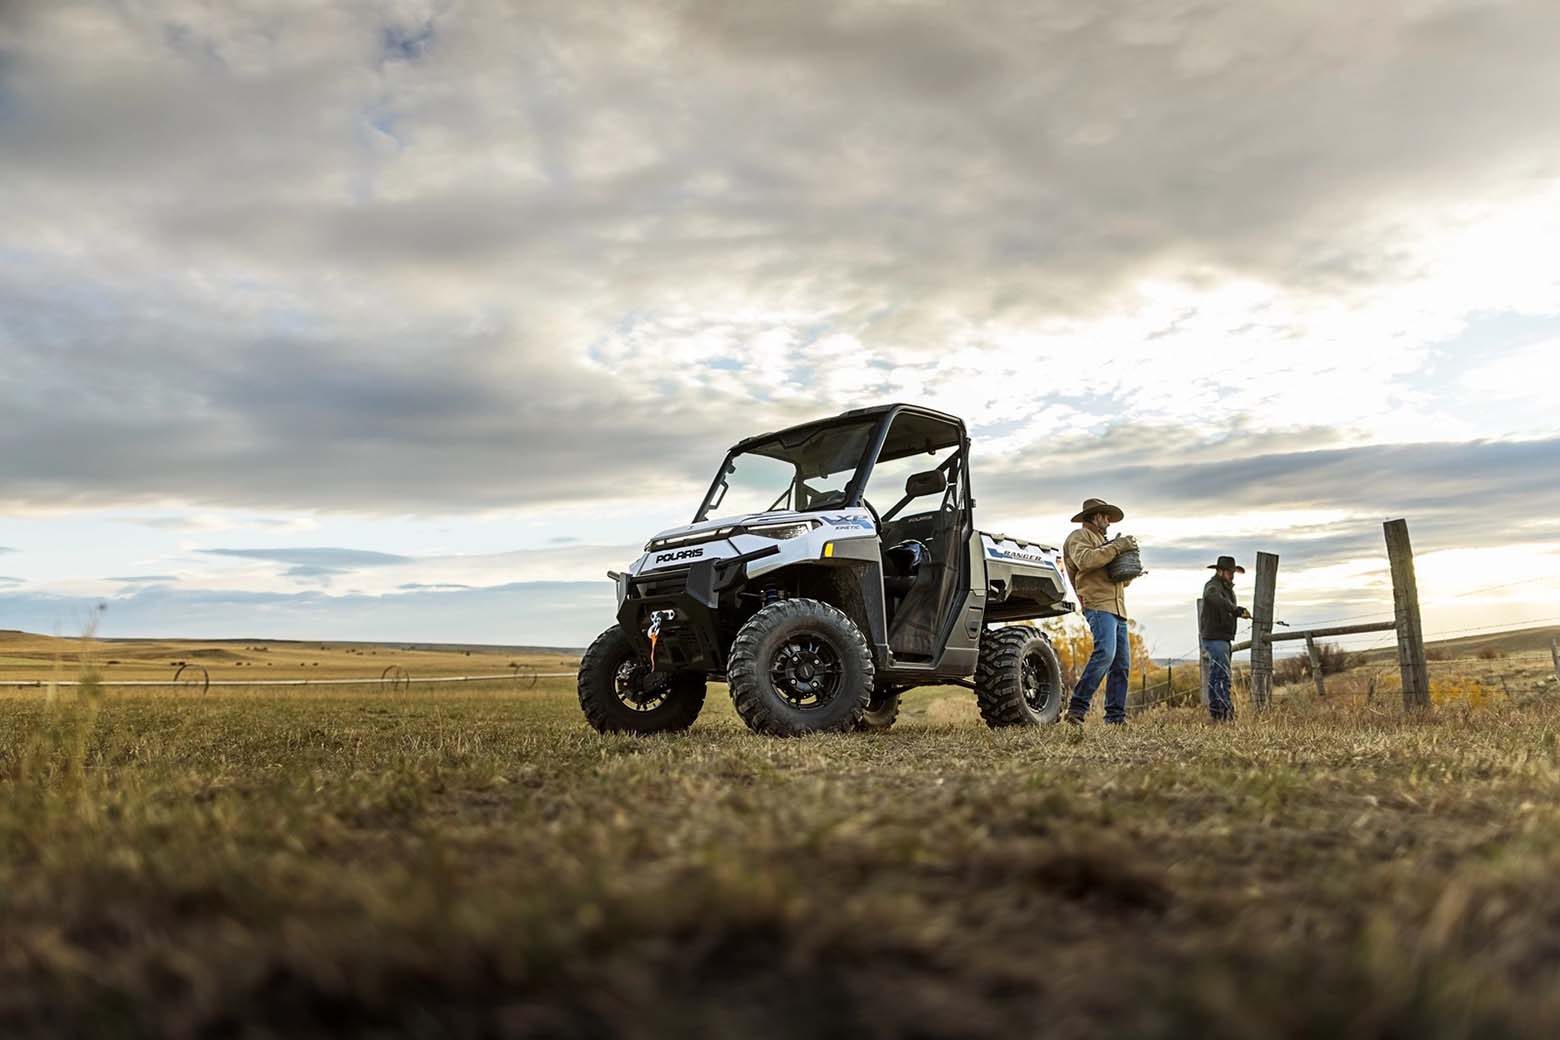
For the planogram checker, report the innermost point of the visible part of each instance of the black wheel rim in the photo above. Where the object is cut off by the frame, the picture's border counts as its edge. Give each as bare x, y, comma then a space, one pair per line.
639, 689
807, 671
1036, 681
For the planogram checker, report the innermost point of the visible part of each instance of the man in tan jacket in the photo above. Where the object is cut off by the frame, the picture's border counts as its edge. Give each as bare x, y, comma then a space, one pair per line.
1104, 603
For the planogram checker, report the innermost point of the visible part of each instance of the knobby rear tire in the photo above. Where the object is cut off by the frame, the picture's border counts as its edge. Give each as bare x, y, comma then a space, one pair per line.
999, 679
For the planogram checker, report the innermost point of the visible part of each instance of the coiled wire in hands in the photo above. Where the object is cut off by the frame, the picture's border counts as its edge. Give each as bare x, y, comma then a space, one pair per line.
1125, 567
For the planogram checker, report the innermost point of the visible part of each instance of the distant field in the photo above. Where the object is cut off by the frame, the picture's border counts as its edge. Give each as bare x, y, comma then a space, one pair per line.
27, 656
475, 862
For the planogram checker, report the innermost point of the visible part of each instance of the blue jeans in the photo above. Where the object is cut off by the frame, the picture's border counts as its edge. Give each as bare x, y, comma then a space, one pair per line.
1113, 655
1220, 706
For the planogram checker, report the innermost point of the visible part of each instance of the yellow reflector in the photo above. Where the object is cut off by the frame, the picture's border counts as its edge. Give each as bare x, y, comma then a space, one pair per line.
828, 550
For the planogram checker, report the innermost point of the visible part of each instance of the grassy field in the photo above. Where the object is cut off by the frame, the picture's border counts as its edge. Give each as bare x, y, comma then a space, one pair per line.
475, 862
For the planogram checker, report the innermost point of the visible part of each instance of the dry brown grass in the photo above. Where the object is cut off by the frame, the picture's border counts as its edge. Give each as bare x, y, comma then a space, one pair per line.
478, 863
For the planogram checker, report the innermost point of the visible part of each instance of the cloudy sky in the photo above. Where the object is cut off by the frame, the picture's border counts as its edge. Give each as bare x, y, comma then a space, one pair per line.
408, 320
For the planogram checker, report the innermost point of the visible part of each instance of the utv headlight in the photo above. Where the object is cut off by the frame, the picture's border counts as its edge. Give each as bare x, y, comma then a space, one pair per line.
780, 531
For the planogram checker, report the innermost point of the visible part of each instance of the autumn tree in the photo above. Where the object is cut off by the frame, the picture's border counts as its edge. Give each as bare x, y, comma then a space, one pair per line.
1070, 636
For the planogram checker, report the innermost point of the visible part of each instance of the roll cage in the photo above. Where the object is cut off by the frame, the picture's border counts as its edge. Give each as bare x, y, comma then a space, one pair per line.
888, 441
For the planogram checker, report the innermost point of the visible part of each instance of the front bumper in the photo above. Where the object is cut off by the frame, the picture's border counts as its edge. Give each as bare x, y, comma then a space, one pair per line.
688, 601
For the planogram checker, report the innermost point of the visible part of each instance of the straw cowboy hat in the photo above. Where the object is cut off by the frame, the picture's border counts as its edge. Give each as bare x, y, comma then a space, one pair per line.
1098, 505
1227, 563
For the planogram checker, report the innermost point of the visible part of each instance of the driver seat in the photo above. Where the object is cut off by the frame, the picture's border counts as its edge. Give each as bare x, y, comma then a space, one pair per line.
901, 564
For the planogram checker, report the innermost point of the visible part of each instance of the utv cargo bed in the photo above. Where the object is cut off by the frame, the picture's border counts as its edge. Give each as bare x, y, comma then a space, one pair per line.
1024, 580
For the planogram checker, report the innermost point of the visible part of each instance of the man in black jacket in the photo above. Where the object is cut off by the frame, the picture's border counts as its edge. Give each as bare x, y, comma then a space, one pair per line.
1219, 614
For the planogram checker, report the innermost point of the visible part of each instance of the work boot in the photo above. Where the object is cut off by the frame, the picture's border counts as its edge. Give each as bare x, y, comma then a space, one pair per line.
1072, 720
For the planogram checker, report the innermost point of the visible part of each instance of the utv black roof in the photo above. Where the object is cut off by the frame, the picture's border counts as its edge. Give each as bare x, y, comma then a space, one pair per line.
854, 415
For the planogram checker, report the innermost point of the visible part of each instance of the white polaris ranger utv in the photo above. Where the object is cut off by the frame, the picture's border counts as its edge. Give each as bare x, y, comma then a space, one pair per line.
842, 568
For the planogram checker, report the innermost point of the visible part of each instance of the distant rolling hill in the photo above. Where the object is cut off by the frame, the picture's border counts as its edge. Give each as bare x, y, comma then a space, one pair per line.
1516, 641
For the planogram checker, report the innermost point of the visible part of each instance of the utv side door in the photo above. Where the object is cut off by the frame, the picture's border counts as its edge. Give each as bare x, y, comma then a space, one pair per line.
925, 533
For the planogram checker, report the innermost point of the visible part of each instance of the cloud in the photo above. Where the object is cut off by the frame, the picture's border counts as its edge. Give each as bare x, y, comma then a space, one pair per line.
192, 522
316, 565
310, 574
552, 563
1498, 487
1508, 377
407, 44
438, 261
143, 579
321, 557
541, 613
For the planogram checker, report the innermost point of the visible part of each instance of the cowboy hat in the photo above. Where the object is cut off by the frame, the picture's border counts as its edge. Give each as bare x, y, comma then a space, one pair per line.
1227, 563
1098, 505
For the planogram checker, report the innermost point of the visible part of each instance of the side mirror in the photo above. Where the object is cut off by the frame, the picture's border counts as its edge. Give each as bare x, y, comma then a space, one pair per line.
930, 482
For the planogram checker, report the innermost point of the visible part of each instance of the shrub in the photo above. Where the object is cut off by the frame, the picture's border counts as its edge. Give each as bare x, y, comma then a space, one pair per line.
1462, 689
1332, 657
1288, 671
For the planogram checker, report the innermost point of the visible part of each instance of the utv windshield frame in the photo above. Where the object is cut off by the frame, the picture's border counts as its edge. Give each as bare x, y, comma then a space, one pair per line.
881, 421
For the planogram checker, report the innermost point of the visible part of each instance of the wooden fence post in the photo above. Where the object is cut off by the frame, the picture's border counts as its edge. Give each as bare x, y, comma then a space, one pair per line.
1202, 656
1316, 666
1554, 651
1405, 605
1261, 628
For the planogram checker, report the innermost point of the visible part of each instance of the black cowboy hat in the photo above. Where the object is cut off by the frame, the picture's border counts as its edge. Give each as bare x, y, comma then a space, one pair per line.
1227, 563
1098, 505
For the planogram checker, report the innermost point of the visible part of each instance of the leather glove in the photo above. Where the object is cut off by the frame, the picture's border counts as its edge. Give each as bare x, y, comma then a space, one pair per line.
1126, 543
